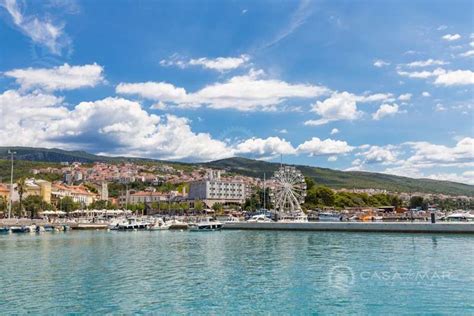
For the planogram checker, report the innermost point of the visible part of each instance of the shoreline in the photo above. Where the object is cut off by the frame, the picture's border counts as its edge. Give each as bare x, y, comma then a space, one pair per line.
385, 227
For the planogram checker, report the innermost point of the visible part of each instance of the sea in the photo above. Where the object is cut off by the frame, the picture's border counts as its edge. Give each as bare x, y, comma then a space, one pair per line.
236, 272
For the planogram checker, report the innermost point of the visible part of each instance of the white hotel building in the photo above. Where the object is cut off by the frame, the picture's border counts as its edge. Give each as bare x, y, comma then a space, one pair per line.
214, 189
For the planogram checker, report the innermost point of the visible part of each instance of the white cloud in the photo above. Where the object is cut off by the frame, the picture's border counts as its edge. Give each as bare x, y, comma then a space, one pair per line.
268, 147
220, 64
385, 110
405, 97
334, 131
283, 131
426, 63
318, 147
380, 63
456, 77
451, 37
421, 74
108, 126
442, 27
41, 31
427, 153
340, 106
442, 76
377, 154
465, 177
250, 92
332, 158
439, 107
388, 97
425, 94
159, 91
469, 53
63, 77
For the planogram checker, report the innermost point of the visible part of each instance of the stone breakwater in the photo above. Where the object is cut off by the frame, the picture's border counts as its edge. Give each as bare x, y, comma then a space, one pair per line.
387, 227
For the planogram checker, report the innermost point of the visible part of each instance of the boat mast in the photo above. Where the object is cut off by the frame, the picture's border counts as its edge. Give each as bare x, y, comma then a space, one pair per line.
264, 192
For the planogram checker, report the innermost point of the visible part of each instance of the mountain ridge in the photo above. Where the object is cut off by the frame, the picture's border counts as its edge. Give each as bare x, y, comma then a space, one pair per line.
336, 179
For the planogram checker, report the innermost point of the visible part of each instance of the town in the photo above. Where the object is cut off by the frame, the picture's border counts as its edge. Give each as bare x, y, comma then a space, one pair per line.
163, 188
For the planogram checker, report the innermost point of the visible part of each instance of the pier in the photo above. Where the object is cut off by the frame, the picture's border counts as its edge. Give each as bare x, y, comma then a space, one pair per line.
387, 227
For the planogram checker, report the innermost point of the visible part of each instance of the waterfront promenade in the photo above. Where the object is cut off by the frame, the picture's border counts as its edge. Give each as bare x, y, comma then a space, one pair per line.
392, 227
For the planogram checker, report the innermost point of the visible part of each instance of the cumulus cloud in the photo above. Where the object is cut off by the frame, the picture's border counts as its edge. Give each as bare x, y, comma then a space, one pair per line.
425, 94
340, 106
318, 147
456, 77
334, 131
220, 64
41, 31
405, 97
385, 110
250, 92
380, 63
451, 37
377, 154
469, 53
442, 76
267, 148
107, 126
63, 77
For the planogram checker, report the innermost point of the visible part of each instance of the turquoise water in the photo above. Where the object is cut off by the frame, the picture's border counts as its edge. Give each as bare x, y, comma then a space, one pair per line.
236, 272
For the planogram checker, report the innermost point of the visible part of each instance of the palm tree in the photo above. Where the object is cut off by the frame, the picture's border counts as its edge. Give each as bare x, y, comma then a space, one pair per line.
21, 188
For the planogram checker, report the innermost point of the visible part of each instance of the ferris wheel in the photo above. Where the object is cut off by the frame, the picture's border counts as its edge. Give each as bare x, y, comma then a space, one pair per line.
289, 189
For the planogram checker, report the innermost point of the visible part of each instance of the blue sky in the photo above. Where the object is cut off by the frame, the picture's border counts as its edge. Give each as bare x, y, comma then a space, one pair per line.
380, 86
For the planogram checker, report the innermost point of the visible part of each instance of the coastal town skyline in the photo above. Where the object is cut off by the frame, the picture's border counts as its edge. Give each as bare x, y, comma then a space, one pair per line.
312, 81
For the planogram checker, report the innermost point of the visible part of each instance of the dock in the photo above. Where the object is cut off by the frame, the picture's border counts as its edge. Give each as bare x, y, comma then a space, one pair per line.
386, 227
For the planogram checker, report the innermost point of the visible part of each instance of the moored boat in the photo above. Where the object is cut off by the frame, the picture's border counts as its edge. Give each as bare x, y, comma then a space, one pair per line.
329, 217
206, 224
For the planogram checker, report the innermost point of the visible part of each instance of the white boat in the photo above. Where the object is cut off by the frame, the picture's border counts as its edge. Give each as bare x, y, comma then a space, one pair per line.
294, 218
260, 218
460, 217
159, 224
231, 219
330, 217
133, 224
206, 224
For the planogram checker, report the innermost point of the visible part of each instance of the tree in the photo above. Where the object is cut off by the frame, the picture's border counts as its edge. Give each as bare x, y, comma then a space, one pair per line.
21, 189
416, 202
34, 204
309, 183
198, 206
68, 205
217, 207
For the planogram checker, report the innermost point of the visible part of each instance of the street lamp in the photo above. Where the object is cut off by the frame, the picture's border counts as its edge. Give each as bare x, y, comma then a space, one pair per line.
11, 153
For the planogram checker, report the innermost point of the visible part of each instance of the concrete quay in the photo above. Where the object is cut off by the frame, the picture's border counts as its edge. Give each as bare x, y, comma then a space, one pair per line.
387, 227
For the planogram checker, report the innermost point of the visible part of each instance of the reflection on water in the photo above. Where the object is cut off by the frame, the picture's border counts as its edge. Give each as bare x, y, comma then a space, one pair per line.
236, 272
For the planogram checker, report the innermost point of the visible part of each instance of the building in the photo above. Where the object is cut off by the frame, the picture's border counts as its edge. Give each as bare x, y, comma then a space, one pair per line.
215, 189
135, 197
40, 188
104, 191
77, 193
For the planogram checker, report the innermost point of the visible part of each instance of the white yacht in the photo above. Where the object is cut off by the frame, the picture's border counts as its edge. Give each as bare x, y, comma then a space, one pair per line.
231, 219
206, 224
260, 218
330, 217
159, 224
133, 223
460, 217
294, 218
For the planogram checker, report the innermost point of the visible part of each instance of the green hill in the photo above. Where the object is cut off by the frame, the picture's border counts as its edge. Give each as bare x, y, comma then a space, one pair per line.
40, 157
347, 179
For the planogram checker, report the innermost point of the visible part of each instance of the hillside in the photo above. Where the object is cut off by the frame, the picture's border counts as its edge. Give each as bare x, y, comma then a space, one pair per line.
40, 157
347, 179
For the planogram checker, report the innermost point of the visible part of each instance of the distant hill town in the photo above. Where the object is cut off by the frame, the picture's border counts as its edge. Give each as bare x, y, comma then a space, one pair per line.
29, 158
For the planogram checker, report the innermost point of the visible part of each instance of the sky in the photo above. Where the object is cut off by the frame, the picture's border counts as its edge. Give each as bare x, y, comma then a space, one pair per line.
380, 86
